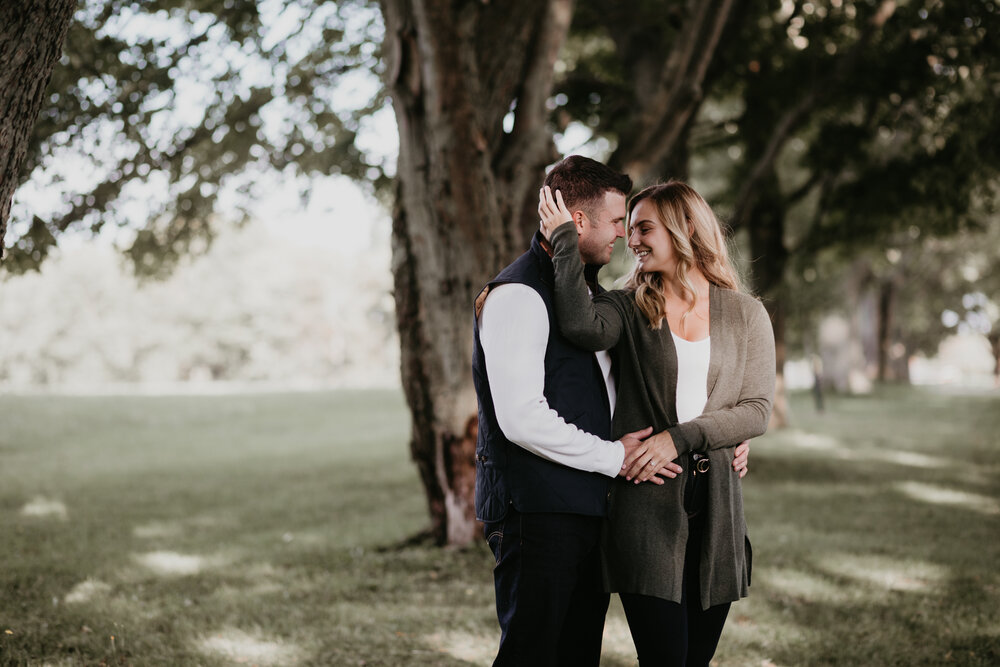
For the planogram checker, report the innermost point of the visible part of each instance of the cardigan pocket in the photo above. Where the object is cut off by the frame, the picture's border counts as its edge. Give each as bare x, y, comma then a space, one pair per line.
749, 557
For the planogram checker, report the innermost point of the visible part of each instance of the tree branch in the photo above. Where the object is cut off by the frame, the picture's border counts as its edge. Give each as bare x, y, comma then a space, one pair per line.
523, 153
799, 113
678, 91
532, 112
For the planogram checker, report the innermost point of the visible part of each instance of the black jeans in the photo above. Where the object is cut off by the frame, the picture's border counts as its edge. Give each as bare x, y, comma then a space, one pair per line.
551, 603
679, 634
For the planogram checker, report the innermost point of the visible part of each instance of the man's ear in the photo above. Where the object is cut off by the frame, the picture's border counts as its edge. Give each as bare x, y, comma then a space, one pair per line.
579, 217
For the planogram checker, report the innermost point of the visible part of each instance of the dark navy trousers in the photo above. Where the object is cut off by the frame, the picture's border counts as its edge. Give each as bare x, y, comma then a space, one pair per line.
550, 599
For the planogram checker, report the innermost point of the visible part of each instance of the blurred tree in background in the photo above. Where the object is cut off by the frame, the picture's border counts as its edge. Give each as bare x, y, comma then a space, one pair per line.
256, 307
846, 141
838, 123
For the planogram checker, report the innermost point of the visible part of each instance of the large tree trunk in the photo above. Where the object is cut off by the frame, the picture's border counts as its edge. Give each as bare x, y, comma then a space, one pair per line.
454, 70
31, 39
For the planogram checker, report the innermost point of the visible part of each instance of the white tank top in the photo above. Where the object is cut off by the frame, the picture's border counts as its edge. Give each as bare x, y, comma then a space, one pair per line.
692, 376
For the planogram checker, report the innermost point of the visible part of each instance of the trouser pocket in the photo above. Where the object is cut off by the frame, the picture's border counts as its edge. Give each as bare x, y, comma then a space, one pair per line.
493, 531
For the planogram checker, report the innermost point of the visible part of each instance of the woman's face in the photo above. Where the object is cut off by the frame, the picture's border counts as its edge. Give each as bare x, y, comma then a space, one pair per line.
650, 240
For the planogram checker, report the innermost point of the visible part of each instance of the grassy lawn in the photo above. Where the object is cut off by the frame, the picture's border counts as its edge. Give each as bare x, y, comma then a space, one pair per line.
266, 529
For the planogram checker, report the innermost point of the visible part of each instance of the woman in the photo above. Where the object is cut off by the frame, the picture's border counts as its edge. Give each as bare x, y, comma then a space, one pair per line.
694, 358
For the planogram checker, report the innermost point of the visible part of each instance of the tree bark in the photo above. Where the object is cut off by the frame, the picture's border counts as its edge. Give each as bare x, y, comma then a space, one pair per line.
454, 71
31, 39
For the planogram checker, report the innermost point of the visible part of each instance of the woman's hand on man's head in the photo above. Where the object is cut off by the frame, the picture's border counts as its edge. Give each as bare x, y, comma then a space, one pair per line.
552, 210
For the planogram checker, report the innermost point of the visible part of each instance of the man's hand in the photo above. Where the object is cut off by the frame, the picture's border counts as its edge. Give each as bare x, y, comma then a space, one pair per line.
633, 444
634, 439
652, 457
741, 458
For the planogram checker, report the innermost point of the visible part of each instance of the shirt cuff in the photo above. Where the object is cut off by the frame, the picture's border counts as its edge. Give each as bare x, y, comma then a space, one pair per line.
611, 459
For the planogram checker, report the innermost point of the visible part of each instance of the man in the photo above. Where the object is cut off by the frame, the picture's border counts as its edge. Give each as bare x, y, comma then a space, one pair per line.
543, 459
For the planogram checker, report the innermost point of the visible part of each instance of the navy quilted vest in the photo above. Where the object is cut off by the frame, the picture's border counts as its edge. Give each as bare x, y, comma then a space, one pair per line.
507, 474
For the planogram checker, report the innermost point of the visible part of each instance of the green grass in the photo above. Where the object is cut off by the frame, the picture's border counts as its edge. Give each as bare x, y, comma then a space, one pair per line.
268, 529
876, 529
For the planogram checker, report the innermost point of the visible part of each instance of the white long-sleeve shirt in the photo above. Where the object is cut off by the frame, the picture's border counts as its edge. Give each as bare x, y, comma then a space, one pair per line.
514, 332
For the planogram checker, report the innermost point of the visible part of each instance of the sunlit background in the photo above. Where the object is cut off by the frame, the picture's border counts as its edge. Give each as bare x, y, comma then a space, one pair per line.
279, 272
203, 439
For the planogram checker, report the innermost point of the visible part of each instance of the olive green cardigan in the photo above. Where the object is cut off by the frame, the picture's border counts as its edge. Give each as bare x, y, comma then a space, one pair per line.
647, 526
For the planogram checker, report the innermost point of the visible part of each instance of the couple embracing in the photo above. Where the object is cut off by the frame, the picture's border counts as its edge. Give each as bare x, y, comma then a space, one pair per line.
609, 456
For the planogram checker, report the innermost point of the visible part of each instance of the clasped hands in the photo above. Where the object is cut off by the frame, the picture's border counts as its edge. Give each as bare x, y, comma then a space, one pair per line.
650, 458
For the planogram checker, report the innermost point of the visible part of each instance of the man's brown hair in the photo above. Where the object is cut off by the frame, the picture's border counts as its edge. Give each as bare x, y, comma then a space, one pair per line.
583, 182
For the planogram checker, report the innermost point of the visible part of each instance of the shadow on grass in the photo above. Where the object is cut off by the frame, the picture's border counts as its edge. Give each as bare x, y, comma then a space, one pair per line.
280, 530
875, 540
421, 539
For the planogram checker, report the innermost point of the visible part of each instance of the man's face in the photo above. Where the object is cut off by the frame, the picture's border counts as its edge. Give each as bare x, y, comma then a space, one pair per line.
599, 233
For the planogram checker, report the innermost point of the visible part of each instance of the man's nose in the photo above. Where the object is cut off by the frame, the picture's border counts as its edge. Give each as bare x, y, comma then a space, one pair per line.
620, 230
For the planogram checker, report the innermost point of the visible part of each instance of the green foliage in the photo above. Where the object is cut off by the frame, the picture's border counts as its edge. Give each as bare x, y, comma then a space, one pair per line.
883, 113
900, 127
881, 118
896, 125
175, 104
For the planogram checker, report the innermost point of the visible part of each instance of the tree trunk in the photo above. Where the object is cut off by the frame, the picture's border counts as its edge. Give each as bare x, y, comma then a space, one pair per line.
859, 345
31, 39
780, 416
888, 364
994, 338
899, 364
767, 232
454, 70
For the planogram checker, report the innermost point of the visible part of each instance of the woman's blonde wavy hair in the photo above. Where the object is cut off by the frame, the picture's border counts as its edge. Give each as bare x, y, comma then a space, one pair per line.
677, 204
